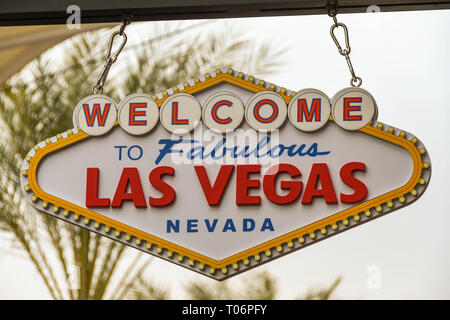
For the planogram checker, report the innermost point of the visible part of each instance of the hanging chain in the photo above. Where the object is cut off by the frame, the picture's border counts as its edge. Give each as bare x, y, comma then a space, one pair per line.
111, 58
332, 12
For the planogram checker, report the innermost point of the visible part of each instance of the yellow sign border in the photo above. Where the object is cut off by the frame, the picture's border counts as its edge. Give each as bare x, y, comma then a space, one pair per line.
91, 217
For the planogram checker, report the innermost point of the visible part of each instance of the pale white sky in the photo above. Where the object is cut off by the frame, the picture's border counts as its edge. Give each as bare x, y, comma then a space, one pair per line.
404, 60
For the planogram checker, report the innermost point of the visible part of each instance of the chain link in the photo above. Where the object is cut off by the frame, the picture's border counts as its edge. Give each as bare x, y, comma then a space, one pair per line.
355, 81
111, 58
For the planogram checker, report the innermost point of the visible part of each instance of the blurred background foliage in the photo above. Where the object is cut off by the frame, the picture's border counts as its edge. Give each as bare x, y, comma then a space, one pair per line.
75, 263
259, 286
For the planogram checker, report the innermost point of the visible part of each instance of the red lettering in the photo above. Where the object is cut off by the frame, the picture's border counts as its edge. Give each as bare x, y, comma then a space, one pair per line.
243, 183
294, 187
359, 187
168, 193
319, 173
216, 107
96, 114
319, 184
130, 176
274, 111
92, 199
175, 119
348, 108
214, 194
309, 115
136, 113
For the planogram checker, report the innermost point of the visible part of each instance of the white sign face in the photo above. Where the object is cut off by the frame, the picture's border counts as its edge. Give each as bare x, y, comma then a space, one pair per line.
221, 203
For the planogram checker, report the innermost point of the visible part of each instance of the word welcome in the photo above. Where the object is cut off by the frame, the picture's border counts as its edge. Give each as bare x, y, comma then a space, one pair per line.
223, 111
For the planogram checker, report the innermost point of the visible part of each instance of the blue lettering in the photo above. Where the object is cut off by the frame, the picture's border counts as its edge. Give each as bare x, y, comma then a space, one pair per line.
175, 227
261, 143
120, 150
216, 149
220, 150
138, 156
196, 151
229, 225
245, 225
167, 148
272, 152
192, 225
291, 152
312, 151
267, 224
209, 226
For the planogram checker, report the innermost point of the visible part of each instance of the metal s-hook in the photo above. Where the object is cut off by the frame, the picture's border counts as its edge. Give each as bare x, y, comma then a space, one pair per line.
111, 43
111, 58
347, 50
126, 20
355, 81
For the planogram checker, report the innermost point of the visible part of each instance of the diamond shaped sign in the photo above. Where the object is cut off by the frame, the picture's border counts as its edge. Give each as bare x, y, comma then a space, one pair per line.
225, 172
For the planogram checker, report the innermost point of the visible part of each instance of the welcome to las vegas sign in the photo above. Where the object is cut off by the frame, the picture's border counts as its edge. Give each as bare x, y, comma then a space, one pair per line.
225, 172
